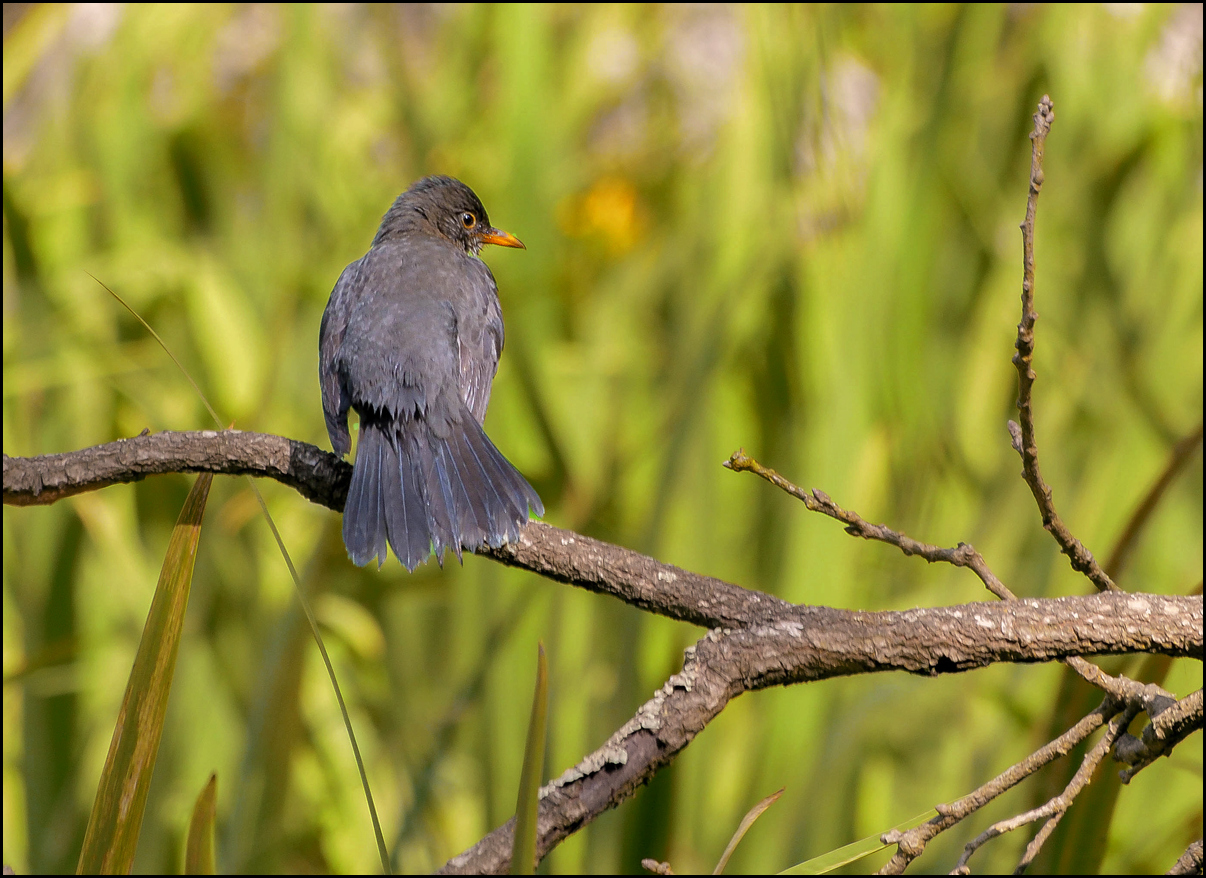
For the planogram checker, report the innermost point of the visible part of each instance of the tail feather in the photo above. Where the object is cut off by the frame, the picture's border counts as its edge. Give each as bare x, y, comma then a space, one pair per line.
501, 492
488, 495
520, 494
441, 508
473, 499
421, 491
406, 515
364, 531
463, 521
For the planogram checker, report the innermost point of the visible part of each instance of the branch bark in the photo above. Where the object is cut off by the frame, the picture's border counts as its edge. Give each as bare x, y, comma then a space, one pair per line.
317, 475
323, 478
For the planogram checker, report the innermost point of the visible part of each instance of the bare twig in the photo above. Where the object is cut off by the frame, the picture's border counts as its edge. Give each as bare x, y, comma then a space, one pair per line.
1054, 810
1150, 697
911, 843
962, 555
1023, 435
1175, 721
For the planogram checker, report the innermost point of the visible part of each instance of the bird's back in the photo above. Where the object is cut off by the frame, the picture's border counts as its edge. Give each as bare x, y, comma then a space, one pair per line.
423, 321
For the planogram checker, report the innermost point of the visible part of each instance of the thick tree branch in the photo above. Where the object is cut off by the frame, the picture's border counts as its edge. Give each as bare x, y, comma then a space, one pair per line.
762, 640
317, 475
637, 579
323, 478
815, 643
558, 554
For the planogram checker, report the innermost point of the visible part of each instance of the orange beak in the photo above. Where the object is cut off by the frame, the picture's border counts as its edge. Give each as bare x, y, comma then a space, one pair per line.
501, 238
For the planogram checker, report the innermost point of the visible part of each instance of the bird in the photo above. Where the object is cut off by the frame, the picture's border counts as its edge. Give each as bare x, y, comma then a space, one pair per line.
410, 339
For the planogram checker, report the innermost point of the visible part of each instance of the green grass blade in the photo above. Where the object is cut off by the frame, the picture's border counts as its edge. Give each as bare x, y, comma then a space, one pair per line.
523, 847
199, 848
853, 851
121, 796
382, 851
746, 822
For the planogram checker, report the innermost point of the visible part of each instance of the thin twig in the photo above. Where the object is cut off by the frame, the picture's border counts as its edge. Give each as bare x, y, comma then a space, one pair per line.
1150, 697
1023, 435
911, 843
1055, 809
963, 555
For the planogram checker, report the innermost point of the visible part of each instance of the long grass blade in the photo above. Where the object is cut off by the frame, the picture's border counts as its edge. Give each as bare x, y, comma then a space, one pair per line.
199, 848
853, 851
746, 822
523, 846
121, 795
382, 851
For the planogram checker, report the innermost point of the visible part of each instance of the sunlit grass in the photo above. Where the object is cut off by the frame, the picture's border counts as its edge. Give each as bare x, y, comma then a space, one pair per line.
788, 229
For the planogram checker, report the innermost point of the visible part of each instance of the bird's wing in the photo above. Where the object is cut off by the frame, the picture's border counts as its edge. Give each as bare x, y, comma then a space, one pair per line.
479, 337
336, 397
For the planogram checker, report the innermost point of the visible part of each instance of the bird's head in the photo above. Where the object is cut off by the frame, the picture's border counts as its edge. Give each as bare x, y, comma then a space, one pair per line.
447, 207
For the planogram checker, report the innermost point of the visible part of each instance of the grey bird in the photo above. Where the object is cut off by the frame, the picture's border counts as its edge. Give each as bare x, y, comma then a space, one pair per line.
410, 339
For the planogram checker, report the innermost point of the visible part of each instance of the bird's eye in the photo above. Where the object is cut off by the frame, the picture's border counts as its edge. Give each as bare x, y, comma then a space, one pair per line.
468, 220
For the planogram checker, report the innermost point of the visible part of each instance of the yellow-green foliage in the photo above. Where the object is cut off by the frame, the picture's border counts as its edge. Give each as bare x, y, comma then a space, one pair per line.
788, 229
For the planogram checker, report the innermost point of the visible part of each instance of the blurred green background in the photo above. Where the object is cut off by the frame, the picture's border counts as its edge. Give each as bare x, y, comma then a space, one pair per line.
788, 229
